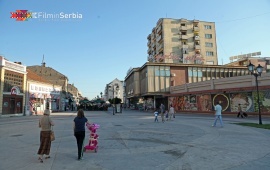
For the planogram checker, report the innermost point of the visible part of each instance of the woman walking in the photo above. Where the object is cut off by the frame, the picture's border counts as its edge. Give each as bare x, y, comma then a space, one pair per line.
79, 131
45, 124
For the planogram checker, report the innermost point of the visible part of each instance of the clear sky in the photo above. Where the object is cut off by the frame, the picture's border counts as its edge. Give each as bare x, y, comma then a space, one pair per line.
112, 35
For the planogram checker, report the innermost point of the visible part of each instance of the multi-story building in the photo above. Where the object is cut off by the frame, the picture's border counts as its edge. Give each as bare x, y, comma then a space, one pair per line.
54, 77
149, 83
114, 89
183, 41
41, 94
12, 87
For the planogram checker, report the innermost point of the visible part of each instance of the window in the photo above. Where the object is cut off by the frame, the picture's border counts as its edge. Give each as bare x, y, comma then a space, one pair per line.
209, 53
208, 44
207, 27
183, 24
208, 36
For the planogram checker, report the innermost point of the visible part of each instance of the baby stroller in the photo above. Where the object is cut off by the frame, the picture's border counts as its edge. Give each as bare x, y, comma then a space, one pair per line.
93, 139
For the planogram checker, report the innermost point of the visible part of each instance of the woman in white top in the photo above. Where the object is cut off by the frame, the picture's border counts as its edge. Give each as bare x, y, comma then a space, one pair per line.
171, 112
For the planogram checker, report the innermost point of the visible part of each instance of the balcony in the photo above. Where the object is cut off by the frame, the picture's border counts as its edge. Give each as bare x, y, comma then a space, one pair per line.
153, 36
148, 44
196, 29
197, 38
160, 47
183, 28
158, 30
149, 51
159, 38
183, 37
197, 47
184, 46
153, 45
149, 37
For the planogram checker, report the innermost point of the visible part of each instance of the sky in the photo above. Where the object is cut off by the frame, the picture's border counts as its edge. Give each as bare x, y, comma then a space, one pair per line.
108, 37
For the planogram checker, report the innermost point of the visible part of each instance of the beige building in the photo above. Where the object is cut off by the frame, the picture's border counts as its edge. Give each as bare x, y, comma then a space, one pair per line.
183, 41
12, 87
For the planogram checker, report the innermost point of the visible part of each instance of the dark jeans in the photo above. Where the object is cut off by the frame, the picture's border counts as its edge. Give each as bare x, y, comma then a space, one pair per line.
80, 138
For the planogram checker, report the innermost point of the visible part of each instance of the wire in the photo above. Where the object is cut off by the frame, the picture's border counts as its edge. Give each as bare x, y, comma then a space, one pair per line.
243, 18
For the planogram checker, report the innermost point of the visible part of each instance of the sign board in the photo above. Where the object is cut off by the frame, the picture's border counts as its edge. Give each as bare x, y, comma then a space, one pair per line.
15, 91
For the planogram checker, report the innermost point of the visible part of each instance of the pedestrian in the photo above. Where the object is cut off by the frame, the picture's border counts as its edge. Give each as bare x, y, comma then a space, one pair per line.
218, 115
172, 112
162, 116
79, 131
240, 112
156, 115
162, 108
45, 123
167, 115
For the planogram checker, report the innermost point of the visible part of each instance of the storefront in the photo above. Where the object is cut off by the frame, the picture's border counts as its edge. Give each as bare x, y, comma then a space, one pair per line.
12, 87
41, 97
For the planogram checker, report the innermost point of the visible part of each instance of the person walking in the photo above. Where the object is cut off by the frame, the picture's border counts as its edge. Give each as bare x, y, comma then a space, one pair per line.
156, 115
172, 112
79, 131
218, 115
45, 123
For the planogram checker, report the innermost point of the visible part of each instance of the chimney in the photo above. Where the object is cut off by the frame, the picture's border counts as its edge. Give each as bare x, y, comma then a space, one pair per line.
43, 64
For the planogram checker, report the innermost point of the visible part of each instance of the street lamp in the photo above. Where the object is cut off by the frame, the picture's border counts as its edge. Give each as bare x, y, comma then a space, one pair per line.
256, 72
116, 87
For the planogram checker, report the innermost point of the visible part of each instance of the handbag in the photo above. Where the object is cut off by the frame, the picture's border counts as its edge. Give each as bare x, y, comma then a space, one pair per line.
52, 135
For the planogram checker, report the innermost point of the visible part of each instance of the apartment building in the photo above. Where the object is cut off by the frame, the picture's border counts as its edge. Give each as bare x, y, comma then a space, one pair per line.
183, 41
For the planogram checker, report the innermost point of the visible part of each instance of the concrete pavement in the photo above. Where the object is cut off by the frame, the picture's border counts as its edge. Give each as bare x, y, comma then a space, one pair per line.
132, 141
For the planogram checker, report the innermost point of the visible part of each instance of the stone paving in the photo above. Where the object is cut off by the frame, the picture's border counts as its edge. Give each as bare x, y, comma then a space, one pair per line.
133, 141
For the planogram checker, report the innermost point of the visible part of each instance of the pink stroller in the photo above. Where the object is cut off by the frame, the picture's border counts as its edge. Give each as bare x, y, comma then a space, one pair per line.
93, 139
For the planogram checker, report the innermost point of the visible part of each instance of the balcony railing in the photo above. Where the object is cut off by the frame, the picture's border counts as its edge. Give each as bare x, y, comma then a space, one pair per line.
183, 37
183, 28
197, 47
158, 30
196, 29
197, 38
158, 38
184, 46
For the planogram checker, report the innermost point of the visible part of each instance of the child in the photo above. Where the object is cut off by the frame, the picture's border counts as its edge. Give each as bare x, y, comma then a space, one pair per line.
167, 115
156, 115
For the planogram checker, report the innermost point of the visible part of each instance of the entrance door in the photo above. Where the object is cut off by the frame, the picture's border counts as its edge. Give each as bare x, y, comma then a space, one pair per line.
12, 106
6, 105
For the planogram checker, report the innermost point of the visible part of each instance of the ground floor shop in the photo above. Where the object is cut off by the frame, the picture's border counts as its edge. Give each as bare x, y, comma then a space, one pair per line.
12, 104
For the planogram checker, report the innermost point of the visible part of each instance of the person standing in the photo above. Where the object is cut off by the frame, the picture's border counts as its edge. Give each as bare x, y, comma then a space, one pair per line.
218, 115
156, 115
45, 124
172, 112
79, 131
240, 112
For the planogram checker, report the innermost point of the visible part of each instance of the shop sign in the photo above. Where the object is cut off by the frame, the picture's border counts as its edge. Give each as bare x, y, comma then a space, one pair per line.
15, 91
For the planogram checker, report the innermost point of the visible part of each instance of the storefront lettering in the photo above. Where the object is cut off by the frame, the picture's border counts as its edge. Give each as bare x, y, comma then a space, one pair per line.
44, 89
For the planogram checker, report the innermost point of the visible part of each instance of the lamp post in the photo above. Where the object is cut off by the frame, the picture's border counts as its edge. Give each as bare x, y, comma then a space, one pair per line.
256, 72
116, 88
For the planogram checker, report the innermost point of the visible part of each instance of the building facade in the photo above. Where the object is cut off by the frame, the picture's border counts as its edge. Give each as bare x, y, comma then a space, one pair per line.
229, 92
114, 89
55, 78
149, 84
12, 87
244, 61
183, 41
41, 94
